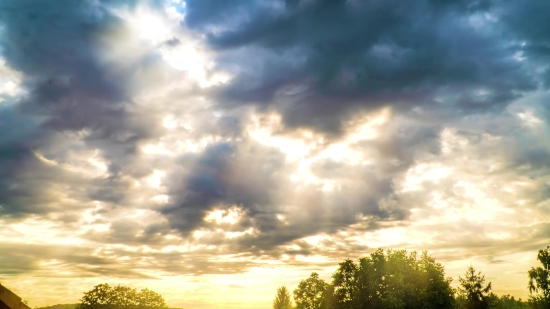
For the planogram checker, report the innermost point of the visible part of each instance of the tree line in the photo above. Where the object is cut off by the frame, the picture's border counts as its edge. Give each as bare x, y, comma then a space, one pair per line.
397, 279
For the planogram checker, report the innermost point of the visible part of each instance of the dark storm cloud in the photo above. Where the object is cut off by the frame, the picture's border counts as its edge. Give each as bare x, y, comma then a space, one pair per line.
362, 54
225, 173
527, 20
19, 191
255, 178
69, 87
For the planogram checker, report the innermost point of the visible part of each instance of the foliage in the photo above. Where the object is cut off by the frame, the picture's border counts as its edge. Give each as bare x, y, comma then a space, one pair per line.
472, 293
344, 282
539, 302
310, 293
506, 302
395, 280
282, 299
103, 296
539, 280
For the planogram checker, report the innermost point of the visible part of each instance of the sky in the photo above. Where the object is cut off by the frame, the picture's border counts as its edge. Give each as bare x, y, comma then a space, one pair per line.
213, 151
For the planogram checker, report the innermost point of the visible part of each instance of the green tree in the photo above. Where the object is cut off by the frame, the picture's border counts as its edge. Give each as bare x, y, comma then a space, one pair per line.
505, 302
396, 279
344, 282
150, 299
328, 300
436, 291
282, 299
310, 293
473, 293
539, 281
103, 296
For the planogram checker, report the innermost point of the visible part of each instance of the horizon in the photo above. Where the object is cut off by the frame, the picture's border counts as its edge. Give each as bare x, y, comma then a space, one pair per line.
228, 148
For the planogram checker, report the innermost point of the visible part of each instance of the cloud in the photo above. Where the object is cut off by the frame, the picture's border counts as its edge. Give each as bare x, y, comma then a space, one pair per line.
18, 258
255, 178
359, 55
70, 89
241, 174
524, 22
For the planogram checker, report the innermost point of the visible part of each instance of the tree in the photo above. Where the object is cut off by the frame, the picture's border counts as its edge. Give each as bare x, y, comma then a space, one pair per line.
474, 295
506, 302
328, 299
437, 291
103, 296
310, 293
150, 299
392, 280
344, 281
539, 281
282, 299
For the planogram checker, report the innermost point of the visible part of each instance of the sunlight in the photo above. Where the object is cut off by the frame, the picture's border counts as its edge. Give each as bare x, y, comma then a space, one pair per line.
147, 25
155, 179
263, 128
187, 56
10, 81
390, 237
314, 259
200, 233
424, 172
530, 119
161, 199
367, 127
306, 147
450, 141
231, 215
36, 230
249, 231
93, 166
157, 149
170, 122
98, 163
316, 240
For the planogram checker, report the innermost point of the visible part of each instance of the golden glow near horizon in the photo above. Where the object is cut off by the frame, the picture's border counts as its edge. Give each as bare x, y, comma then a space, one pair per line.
271, 202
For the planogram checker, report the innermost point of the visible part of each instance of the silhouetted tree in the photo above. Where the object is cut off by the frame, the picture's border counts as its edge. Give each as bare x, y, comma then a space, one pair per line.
103, 296
539, 281
310, 293
282, 299
472, 290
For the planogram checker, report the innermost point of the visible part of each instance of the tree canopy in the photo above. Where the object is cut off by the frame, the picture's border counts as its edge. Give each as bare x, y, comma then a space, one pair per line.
393, 279
103, 296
